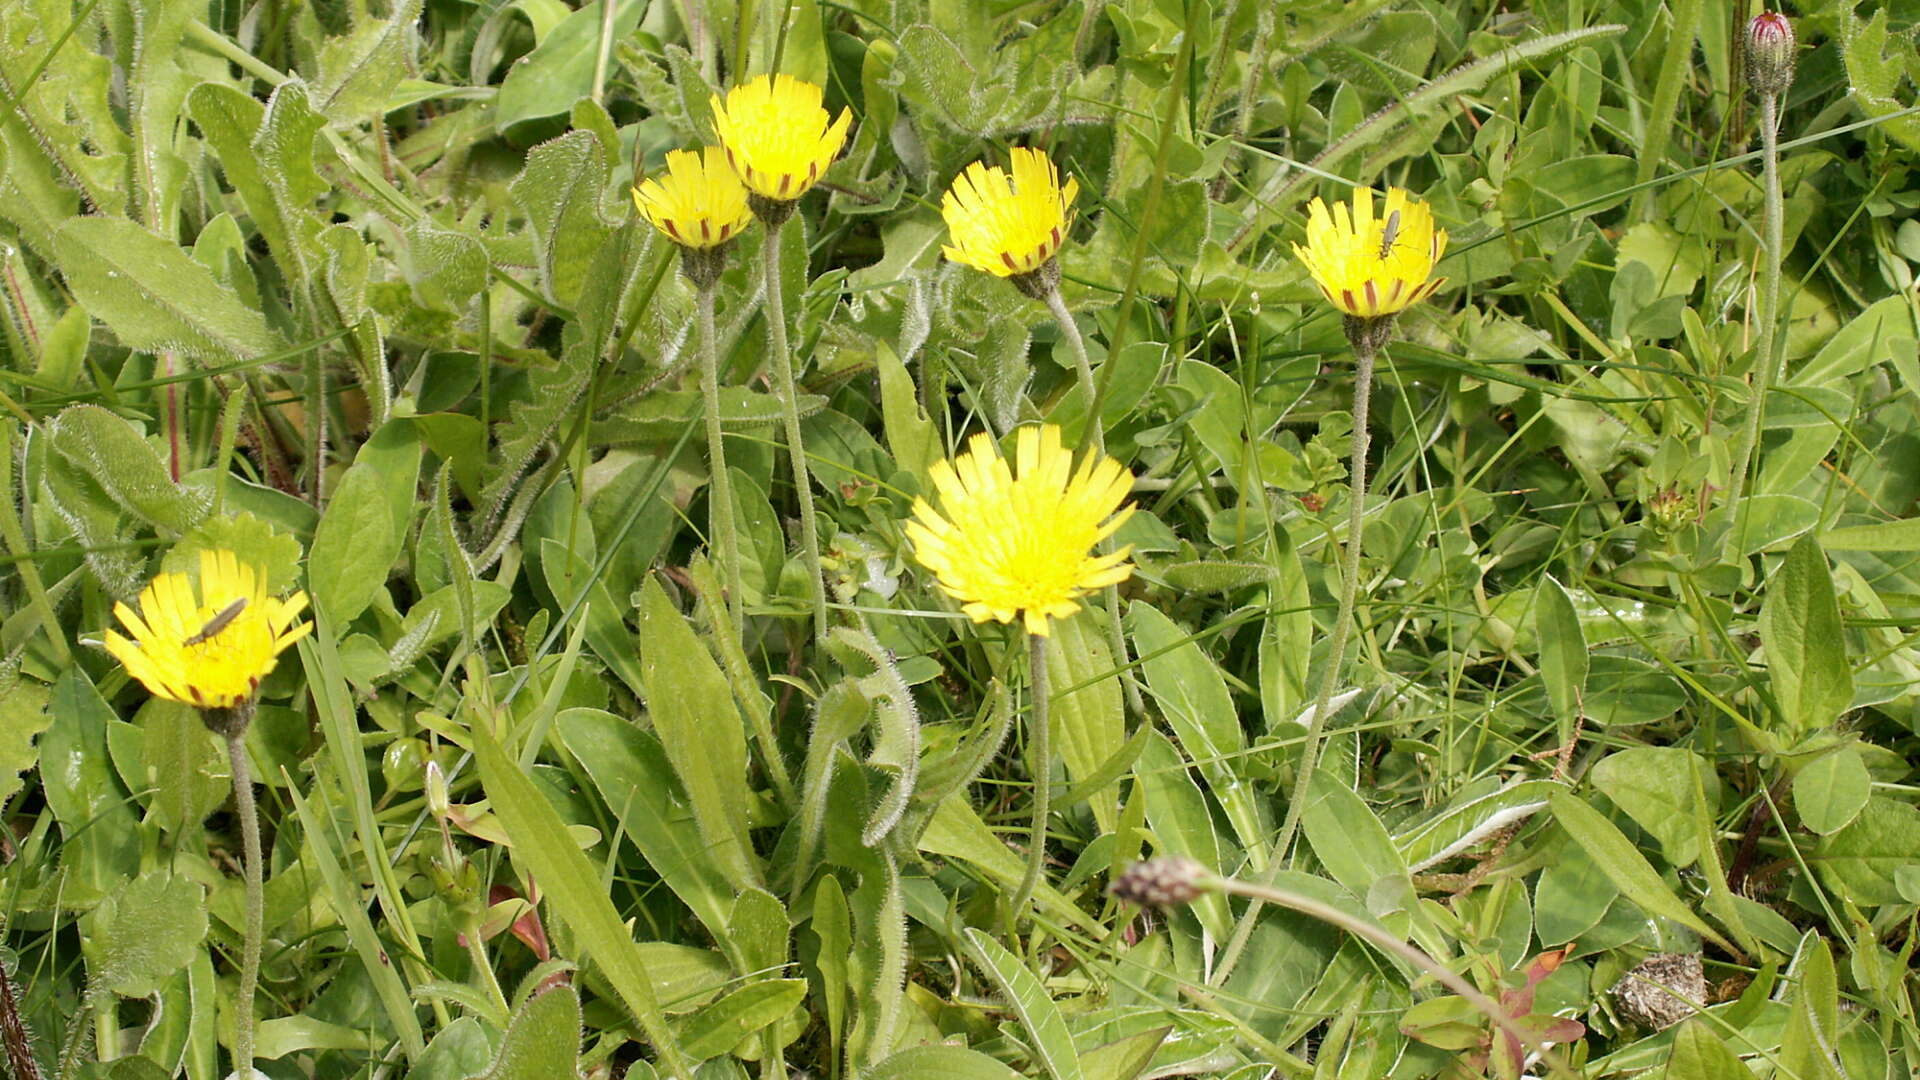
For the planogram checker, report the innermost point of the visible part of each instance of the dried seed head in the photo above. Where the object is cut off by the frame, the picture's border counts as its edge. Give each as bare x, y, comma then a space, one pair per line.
1161, 882
1770, 53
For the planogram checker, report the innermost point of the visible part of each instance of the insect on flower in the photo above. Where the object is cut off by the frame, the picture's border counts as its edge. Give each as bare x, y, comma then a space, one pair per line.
1389, 232
218, 623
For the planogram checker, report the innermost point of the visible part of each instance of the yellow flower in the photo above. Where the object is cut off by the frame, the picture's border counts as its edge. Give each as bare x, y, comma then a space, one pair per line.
1008, 545
1370, 267
777, 136
208, 650
1004, 224
698, 202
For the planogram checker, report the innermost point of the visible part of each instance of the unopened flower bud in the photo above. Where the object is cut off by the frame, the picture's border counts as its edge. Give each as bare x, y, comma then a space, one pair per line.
438, 803
1770, 53
1161, 882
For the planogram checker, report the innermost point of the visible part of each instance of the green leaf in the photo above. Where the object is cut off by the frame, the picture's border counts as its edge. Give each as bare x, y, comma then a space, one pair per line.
1454, 828
23, 716
1902, 535
1047, 1034
1813, 1022
360, 537
542, 844
1863, 860
354, 547
635, 781
910, 435
1193, 695
1348, 839
144, 932
1563, 652
559, 70
359, 70
721, 1026
1125, 1058
95, 814
560, 191
1805, 641
1625, 866
691, 707
1698, 1054
1182, 823
939, 1061
125, 466
183, 763
1831, 790
1654, 785
543, 1039
1088, 721
153, 295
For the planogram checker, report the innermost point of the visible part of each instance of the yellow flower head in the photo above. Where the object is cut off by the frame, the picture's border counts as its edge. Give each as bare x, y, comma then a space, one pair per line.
1022, 545
777, 136
208, 650
1370, 267
1005, 224
698, 202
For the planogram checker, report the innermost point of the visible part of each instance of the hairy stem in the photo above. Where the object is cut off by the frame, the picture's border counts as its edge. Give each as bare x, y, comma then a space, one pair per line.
1336, 654
1766, 348
1040, 753
720, 495
790, 408
1393, 946
256, 902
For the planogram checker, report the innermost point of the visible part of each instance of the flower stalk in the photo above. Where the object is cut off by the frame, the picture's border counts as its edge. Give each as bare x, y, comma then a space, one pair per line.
1370, 269
720, 494
254, 929
783, 385
1770, 65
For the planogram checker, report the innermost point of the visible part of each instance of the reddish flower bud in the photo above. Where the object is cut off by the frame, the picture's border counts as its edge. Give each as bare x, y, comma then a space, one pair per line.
1770, 53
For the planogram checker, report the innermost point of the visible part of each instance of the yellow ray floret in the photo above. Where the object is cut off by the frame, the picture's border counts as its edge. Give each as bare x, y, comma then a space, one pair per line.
1008, 224
698, 202
1008, 545
211, 647
777, 135
1368, 266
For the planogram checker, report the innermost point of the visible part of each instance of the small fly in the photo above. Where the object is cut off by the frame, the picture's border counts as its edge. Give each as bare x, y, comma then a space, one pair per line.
1389, 233
219, 622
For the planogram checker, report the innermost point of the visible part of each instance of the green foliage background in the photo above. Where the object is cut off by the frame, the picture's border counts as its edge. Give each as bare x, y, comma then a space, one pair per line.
356, 289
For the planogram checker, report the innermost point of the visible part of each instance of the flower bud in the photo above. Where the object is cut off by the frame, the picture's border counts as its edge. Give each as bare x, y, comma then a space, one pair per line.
1161, 882
1770, 53
438, 803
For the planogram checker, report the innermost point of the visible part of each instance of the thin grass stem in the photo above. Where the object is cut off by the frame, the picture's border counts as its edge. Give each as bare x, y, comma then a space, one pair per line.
790, 413
1040, 754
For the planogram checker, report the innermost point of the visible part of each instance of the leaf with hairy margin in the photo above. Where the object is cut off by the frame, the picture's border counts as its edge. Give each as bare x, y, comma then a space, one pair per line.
153, 295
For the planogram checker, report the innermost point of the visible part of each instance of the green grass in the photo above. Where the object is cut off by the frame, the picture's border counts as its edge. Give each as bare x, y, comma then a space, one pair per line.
358, 292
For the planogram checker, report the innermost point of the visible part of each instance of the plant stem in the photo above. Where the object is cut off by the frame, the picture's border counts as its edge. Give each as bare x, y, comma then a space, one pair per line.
1336, 655
790, 407
477, 956
1040, 755
1393, 946
256, 902
1767, 348
720, 495
1095, 436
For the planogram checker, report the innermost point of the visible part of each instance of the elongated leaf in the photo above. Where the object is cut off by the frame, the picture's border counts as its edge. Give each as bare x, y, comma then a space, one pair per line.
628, 766
1698, 1054
692, 708
1563, 652
153, 295
722, 1025
125, 466
1625, 866
1807, 1050
940, 1062
1087, 718
1805, 642
559, 71
542, 844
560, 190
359, 70
543, 1040
1456, 828
1047, 1034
